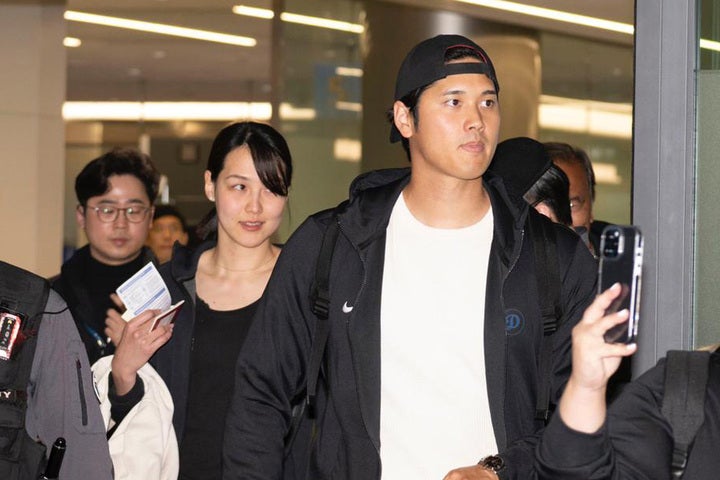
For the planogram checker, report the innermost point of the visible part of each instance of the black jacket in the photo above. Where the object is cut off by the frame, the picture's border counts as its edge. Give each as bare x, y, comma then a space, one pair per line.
270, 374
172, 360
636, 441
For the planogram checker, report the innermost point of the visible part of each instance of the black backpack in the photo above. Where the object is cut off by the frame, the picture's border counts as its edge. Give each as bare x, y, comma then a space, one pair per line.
686, 378
22, 294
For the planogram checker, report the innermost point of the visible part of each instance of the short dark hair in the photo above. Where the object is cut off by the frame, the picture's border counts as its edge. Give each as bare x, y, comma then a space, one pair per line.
165, 210
565, 153
270, 154
93, 179
411, 100
552, 189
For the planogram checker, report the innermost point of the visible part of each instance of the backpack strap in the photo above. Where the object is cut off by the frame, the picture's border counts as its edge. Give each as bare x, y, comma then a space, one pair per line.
320, 297
542, 234
23, 294
686, 377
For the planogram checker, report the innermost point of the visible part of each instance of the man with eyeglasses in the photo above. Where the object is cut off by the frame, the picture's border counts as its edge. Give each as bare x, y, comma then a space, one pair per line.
577, 166
115, 194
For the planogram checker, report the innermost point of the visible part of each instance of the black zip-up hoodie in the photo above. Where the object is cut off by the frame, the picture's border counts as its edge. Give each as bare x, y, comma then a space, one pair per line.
270, 377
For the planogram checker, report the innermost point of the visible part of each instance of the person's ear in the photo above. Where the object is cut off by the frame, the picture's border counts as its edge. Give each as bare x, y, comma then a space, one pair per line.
80, 216
209, 186
403, 119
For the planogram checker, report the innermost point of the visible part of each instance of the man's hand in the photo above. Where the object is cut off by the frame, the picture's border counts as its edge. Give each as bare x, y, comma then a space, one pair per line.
114, 324
582, 405
135, 347
476, 472
593, 359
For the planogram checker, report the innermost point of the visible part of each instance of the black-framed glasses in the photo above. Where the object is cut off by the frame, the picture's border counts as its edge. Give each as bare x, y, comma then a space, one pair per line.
108, 214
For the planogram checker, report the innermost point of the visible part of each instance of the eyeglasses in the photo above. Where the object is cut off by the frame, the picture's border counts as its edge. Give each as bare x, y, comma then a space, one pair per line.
109, 214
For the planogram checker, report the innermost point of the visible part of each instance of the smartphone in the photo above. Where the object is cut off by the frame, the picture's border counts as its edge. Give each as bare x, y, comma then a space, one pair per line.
621, 254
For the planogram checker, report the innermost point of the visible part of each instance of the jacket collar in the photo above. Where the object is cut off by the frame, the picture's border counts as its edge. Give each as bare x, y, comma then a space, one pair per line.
365, 216
73, 269
184, 261
508, 218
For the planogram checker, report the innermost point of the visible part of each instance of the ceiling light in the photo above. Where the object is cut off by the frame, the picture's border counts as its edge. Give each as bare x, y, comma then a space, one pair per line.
299, 19
585, 116
551, 14
606, 173
322, 22
349, 106
72, 42
347, 149
290, 112
160, 28
253, 12
149, 111
349, 71
167, 111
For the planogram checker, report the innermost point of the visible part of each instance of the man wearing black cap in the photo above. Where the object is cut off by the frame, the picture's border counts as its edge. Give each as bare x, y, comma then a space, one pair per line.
435, 329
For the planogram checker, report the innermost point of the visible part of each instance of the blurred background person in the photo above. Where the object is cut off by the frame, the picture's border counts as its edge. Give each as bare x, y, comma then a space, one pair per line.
579, 170
576, 164
168, 226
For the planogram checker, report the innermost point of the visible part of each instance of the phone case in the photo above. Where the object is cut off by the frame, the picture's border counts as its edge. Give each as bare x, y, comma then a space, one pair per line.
621, 253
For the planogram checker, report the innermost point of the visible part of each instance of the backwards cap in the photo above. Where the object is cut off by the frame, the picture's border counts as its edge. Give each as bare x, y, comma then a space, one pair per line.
425, 64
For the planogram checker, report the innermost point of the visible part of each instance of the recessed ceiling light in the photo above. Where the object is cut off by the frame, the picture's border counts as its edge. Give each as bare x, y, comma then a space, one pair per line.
72, 42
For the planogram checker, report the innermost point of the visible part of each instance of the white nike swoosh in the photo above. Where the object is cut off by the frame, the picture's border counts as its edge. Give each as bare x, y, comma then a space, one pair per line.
346, 308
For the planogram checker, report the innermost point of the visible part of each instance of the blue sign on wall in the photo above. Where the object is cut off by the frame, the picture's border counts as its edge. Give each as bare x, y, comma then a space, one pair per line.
338, 91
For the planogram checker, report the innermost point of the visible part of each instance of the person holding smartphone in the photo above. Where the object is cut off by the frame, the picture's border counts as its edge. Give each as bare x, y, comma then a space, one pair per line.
631, 438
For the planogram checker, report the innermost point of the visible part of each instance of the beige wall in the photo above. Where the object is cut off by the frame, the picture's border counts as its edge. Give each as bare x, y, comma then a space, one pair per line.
32, 90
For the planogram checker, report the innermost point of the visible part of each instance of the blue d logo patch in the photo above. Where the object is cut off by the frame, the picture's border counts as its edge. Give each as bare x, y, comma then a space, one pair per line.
514, 322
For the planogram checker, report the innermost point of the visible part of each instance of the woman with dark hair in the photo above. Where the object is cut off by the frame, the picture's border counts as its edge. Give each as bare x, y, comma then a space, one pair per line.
248, 177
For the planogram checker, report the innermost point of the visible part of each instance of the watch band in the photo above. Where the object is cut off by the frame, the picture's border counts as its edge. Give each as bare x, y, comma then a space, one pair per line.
493, 462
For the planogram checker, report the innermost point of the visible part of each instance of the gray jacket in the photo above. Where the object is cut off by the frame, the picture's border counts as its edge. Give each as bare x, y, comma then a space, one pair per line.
62, 400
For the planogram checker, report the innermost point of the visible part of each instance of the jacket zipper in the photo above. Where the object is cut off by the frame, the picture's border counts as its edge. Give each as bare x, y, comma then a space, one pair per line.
194, 303
81, 390
347, 322
364, 277
512, 266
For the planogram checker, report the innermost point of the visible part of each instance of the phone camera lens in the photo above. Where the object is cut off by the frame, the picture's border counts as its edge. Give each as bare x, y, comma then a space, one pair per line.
611, 243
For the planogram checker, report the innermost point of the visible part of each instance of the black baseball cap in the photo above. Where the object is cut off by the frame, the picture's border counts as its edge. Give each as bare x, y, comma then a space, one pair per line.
425, 64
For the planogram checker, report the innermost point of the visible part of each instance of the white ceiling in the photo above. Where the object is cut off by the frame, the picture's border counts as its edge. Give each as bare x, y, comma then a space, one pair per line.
116, 64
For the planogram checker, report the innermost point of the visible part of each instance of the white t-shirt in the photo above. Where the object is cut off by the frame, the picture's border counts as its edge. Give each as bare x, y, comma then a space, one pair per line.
434, 410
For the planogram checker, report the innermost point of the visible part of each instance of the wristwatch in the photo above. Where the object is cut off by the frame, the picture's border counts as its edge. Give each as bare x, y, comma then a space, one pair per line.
493, 462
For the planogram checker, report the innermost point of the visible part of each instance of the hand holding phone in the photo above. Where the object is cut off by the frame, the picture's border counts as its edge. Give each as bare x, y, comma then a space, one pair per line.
621, 253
